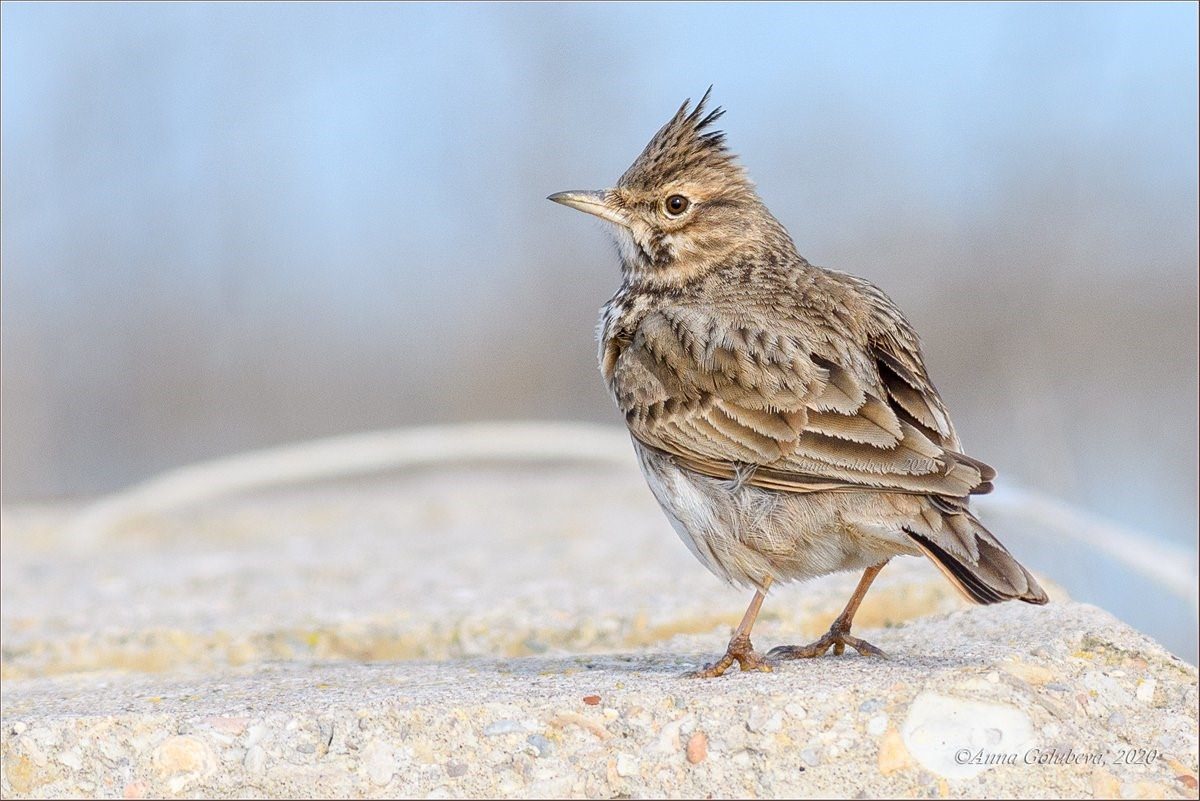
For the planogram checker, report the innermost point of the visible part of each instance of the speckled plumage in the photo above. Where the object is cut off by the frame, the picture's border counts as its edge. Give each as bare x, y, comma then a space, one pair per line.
781, 412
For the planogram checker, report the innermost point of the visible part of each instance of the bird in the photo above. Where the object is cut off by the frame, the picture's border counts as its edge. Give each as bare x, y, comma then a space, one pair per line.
781, 412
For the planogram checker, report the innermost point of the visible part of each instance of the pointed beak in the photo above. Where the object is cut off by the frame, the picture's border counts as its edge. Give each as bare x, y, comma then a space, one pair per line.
592, 202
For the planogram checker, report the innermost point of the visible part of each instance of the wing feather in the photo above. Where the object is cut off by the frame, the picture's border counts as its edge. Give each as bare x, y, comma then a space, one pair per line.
808, 411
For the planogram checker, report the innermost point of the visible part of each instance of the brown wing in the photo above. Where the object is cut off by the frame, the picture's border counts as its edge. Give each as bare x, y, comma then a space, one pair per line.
804, 410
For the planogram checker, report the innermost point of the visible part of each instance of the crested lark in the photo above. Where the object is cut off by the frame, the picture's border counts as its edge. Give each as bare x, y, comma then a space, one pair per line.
781, 412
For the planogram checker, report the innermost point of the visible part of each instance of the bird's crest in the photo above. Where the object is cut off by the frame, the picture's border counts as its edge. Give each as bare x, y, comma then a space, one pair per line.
685, 145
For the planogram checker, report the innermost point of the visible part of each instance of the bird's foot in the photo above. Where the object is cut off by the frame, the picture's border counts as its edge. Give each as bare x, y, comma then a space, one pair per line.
742, 652
838, 637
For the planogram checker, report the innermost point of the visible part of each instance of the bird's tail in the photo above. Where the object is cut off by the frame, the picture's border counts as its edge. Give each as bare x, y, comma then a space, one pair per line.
972, 558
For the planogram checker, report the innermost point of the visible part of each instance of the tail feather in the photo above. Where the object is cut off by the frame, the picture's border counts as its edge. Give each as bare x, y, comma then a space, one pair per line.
992, 576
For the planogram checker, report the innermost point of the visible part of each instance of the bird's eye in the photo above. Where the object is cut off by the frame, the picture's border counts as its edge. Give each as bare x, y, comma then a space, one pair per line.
676, 205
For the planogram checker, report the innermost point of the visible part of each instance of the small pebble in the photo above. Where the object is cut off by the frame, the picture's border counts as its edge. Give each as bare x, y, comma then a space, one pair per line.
668, 736
227, 725
627, 766
1033, 674
870, 705
877, 725
541, 746
256, 734
503, 727
380, 762
811, 756
697, 748
183, 754
591, 700
893, 756
110, 750
1145, 690
455, 769
255, 760
764, 720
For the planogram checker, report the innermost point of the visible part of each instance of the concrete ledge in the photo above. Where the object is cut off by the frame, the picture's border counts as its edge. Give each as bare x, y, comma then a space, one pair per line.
521, 632
996, 684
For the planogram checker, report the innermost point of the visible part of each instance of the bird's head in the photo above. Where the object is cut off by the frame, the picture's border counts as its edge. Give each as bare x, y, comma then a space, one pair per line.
684, 206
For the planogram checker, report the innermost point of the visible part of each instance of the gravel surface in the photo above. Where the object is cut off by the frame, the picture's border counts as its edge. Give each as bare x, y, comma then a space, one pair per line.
520, 632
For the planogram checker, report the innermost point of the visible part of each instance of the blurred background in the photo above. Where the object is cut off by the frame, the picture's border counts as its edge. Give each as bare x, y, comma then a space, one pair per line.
228, 226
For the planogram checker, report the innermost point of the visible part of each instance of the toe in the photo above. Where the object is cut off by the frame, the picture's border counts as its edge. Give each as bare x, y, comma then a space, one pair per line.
865, 648
780, 652
798, 651
756, 663
706, 672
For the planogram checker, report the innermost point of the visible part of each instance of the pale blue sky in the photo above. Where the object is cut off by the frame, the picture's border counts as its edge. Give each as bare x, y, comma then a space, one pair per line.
206, 205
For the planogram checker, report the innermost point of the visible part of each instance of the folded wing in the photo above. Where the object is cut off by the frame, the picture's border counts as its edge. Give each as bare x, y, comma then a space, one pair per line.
807, 411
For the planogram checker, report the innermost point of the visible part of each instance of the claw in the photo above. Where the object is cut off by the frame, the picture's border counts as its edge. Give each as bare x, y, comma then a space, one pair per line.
739, 651
835, 638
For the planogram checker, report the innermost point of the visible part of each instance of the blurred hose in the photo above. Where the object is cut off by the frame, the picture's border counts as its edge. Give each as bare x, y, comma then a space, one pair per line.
1171, 567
